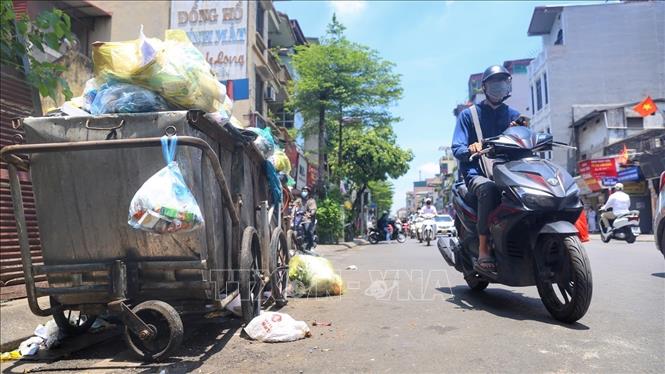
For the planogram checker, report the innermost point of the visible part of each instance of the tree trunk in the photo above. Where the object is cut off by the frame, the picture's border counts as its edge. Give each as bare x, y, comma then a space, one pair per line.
323, 176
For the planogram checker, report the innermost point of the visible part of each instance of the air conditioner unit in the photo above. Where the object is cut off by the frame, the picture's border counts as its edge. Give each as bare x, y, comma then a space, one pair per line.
270, 93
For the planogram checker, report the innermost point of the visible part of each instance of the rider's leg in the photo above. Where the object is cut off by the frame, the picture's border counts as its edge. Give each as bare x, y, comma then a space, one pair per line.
488, 198
605, 218
309, 238
387, 234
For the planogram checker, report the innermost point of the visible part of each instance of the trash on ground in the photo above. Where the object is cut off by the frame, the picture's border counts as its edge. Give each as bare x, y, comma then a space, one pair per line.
10, 356
234, 306
314, 276
30, 346
164, 204
50, 333
273, 327
321, 323
352, 267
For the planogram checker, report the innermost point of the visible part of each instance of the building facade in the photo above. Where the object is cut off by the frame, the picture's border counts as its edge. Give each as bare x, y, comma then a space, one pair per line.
619, 57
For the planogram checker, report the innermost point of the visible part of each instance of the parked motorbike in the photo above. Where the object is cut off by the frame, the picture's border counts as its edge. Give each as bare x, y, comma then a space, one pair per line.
623, 227
427, 230
375, 235
532, 231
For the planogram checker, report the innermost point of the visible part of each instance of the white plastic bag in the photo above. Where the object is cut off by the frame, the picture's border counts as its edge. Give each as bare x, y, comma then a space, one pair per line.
273, 327
164, 204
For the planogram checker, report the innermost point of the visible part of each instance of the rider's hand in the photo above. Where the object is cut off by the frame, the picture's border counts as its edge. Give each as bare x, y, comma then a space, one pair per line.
475, 147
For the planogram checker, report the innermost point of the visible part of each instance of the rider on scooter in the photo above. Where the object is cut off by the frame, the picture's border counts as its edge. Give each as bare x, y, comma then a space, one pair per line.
494, 118
428, 208
619, 201
309, 218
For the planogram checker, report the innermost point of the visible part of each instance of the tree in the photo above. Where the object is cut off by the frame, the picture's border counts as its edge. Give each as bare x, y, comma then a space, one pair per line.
338, 79
370, 156
49, 28
382, 194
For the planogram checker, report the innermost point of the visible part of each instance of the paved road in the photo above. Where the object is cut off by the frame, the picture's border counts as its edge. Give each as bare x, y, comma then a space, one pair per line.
405, 310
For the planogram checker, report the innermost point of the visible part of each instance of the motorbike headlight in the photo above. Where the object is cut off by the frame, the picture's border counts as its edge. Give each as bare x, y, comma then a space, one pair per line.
535, 199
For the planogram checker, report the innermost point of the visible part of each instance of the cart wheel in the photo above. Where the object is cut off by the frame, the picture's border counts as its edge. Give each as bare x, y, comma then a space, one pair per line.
167, 325
280, 257
250, 275
71, 322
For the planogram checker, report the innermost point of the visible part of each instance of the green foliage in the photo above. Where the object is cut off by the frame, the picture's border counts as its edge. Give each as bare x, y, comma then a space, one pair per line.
382, 194
371, 155
50, 28
329, 217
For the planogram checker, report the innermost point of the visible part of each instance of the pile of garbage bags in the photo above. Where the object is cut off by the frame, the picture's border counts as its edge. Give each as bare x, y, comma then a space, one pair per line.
314, 276
150, 75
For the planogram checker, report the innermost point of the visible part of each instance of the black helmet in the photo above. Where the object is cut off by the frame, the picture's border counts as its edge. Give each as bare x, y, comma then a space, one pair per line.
495, 70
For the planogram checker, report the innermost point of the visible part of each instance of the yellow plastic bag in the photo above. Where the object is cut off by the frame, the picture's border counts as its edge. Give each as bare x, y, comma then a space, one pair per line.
281, 161
10, 356
316, 276
174, 69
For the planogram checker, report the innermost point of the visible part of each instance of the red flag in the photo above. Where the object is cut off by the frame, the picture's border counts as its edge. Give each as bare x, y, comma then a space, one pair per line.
646, 107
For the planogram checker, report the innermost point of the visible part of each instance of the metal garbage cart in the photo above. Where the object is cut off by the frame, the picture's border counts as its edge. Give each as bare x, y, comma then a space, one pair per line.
85, 171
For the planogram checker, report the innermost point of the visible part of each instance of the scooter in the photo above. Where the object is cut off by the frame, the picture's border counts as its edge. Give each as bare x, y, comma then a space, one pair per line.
427, 230
532, 233
299, 227
376, 236
623, 227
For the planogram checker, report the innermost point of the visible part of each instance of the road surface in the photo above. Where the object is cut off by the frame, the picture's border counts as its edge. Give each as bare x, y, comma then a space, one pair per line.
406, 311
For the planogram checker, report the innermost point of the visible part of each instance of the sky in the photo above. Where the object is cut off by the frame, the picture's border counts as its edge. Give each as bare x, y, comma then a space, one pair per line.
435, 45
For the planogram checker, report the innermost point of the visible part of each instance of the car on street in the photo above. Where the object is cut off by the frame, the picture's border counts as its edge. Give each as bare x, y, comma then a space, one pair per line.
445, 225
659, 221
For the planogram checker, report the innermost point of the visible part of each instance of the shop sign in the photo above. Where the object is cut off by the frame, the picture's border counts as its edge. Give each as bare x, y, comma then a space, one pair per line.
219, 30
598, 168
631, 174
635, 188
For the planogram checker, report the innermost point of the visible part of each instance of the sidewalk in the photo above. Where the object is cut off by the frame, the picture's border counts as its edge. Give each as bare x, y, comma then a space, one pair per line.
17, 322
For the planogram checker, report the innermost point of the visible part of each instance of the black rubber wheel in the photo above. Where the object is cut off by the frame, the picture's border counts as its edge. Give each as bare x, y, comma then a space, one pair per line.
605, 239
566, 258
475, 283
62, 315
401, 238
630, 238
373, 238
280, 257
167, 325
428, 242
249, 276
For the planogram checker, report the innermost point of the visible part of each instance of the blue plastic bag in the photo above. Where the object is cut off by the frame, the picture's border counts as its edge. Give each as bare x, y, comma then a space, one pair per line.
164, 203
115, 97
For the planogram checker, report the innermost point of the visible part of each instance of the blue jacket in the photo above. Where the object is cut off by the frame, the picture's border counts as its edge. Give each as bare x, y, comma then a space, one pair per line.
493, 122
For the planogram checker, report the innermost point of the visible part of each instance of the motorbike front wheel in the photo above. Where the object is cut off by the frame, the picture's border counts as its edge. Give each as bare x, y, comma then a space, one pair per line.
566, 294
373, 238
401, 238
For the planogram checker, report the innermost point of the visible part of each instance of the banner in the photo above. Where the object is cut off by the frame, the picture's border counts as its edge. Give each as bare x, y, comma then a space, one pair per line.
598, 168
301, 177
219, 30
631, 174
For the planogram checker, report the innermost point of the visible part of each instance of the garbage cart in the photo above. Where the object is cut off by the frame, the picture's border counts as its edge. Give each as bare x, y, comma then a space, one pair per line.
85, 171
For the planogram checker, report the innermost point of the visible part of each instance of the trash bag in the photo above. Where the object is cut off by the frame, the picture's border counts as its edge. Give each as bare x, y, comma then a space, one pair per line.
273, 327
164, 204
174, 68
281, 161
115, 97
264, 141
315, 276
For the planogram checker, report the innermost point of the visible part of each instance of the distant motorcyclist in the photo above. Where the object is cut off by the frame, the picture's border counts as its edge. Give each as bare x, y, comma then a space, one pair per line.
619, 202
383, 224
428, 208
493, 117
309, 217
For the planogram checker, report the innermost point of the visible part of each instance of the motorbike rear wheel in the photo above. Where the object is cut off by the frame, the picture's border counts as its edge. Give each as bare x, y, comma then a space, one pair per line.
373, 238
574, 284
475, 283
630, 237
401, 238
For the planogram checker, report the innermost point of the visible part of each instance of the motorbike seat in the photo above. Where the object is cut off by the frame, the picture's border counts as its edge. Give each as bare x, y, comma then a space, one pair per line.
469, 198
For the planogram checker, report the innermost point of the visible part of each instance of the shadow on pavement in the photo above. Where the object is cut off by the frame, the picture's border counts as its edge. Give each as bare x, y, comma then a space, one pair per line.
202, 339
660, 275
504, 303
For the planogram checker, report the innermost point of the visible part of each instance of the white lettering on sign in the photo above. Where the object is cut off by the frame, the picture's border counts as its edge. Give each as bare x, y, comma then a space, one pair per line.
219, 30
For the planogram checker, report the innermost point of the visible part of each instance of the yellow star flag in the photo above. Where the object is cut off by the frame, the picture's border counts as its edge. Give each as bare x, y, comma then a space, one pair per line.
646, 107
